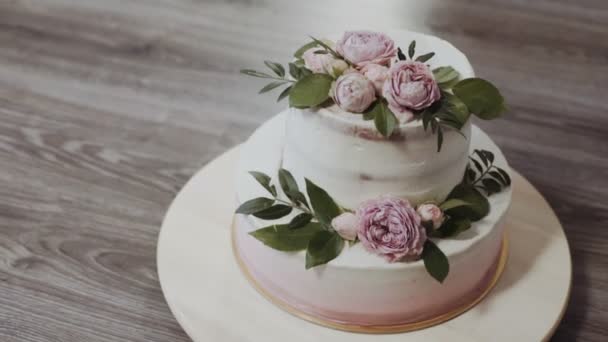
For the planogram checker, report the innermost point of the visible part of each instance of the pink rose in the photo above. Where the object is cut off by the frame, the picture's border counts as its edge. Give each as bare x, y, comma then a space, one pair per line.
365, 47
391, 228
346, 225
431, 213
317, 63
410, 86
377, 74
353, 92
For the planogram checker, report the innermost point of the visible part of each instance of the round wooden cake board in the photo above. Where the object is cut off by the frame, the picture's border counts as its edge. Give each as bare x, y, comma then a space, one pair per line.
213, 301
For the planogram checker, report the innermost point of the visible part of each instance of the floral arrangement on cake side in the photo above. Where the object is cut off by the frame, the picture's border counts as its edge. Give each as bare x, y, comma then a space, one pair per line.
388, 226
366, 73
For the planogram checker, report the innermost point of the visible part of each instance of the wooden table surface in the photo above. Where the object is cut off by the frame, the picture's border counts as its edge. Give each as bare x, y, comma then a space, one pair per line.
108, 107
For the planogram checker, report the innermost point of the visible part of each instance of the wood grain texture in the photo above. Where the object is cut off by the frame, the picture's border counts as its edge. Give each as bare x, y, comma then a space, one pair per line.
108, 107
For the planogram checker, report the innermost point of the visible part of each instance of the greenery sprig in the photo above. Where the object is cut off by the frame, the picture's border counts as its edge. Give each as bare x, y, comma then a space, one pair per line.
310, 230
482, 174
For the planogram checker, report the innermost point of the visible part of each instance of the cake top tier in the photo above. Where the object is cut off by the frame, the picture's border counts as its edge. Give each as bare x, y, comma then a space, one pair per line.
393, 79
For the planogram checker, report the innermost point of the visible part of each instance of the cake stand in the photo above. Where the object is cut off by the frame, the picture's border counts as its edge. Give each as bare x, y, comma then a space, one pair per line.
213, 301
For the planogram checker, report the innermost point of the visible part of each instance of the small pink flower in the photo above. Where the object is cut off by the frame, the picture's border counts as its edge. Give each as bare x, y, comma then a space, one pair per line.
410, 86
431, 213
317, 63
346, 225
377, 74
353, 92
366, 47
391, 228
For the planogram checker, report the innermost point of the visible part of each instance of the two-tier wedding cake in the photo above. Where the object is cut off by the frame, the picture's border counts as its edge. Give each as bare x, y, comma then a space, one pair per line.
372, 203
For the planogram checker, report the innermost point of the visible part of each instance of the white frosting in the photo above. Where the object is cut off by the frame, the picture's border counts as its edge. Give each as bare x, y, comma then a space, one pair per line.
345, 155
358, 285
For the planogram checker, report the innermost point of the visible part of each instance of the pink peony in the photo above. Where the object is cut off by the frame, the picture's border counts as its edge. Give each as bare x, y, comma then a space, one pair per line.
346, 225
353, 92
317, 63
429, 212
391, 228
365, 47
410, 86
377, 74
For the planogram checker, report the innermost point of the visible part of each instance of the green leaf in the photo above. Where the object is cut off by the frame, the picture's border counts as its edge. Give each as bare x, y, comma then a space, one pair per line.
498, 177
456, 109
271, 86
411, 50
479, 206
470, 175
288, 183
254, 205
439, 138
254, 73
505, 175
324, 207
491, 185
301, 50
284, 94
300, 220
425, 57
326, 47
276, 68
477, 165
310, 91
453, 227
483, 156
264, 181
400, 55
275, 212
435, 262
384, 119
481, 97
283, 238
445, 74
321, 52
453, 203
294, 71
322, 248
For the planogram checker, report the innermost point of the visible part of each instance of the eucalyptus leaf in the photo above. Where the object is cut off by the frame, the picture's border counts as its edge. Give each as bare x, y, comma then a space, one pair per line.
321, 52
288, 183
310, 91
276, 68
284, 94
271, 86
479, 206
298, 54
300, 220
425, 57
322, 248
294, 71
254, 205
498, 176
277, 211
477, 165
264, 181
283, 238
483, 157
411, 50
435, 262
325, 208
481, 97
470, 175
453, 203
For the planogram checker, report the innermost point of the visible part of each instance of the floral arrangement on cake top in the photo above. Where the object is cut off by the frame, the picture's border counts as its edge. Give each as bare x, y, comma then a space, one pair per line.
366, 73
388, 226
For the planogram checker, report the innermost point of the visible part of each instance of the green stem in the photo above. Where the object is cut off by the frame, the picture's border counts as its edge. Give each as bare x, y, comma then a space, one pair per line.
304, 209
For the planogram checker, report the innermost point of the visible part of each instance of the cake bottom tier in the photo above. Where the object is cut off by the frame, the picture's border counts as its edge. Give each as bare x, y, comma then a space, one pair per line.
370, 300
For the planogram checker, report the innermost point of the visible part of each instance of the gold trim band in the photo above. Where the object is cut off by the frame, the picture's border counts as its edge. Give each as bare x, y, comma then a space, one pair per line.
374, 329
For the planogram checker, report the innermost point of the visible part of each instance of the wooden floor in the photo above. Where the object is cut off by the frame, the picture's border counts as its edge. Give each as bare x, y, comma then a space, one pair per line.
108, 107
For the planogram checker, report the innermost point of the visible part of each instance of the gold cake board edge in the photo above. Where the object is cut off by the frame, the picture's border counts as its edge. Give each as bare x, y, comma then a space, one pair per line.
374, 329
